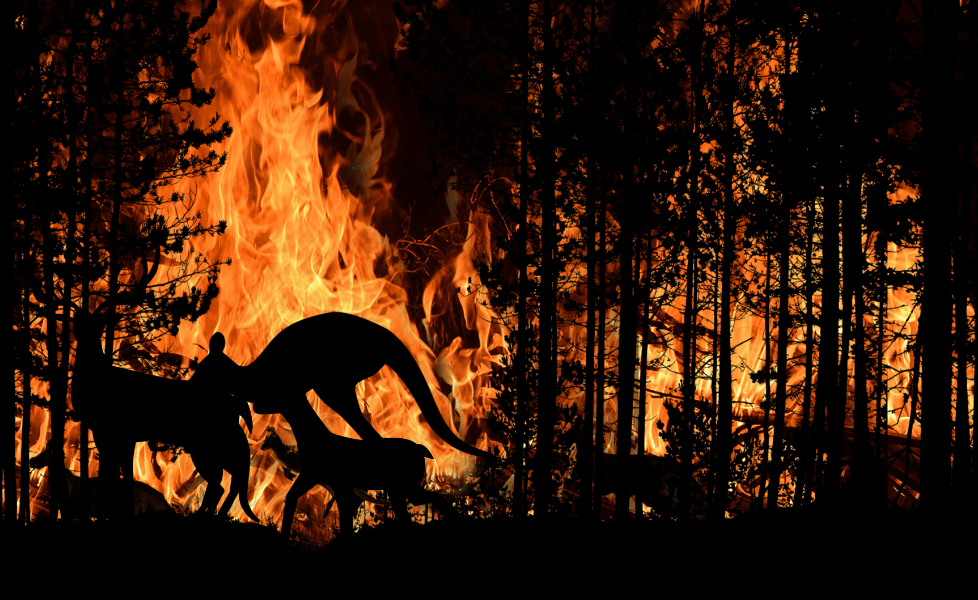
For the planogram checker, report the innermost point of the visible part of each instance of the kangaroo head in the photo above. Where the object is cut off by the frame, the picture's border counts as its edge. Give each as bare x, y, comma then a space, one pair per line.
215, 375
216, 369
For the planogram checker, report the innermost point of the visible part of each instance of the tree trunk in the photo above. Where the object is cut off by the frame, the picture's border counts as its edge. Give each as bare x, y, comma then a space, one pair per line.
646, 293
523, 343
586, 452
939, 193
547, 389
963, 477
626, 276
602, 333
724, 426
828, 393
24, 515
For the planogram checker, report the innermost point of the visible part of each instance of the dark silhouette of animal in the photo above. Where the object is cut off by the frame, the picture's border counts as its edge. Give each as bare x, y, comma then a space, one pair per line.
288, 456
146, 499
123, 407
329, 353
655, 479
347, 467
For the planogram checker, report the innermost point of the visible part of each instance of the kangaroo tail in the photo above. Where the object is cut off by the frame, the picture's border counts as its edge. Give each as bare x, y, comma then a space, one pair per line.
239, 480
401, 361
243, 499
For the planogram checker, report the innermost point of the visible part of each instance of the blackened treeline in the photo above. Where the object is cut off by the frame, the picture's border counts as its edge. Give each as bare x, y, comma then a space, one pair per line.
99, 131
672, 169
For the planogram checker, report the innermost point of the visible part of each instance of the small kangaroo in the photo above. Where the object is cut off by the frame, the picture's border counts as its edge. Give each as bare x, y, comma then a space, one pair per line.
124, 407
146, 499
288, 456
347, 467
329, 353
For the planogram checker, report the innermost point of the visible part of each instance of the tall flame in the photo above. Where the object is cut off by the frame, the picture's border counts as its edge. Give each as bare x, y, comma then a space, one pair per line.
303, 191
303, 241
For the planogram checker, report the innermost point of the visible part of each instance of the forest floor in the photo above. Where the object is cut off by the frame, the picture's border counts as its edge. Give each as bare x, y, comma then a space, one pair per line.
490, 555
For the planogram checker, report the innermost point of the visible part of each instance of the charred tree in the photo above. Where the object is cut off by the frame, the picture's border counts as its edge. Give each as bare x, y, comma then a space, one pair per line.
964, 262
544, 159
939, 191
103, 110
724, 441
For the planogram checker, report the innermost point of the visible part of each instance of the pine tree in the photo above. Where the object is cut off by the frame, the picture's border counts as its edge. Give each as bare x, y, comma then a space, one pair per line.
101, 132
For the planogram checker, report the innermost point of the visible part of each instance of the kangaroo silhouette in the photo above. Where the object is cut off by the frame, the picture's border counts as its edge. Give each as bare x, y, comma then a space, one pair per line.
146, 499
288, 456
346, 467
329, 353
124, 407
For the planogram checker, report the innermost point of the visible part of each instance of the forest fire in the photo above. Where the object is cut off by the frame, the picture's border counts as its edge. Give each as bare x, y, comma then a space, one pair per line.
316, 223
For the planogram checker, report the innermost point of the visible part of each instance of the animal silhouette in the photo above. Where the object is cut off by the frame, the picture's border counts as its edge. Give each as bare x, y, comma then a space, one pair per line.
329, 353
654, 478
123, 407
146, 499
288, 456
345, 465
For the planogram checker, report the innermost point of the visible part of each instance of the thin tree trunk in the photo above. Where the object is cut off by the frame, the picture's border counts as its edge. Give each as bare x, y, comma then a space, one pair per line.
57, 391
27, 273
86, 178
766, 428
690, 309
602, 326
962, 473
938, 187
832, 388
788, 200
914, 394
586, 452
964, 451
523, 388
803, 489
828, 369
724, 426
644, 369
626, 276
24, 515
859, 475
70, 229
711, 473
547, 389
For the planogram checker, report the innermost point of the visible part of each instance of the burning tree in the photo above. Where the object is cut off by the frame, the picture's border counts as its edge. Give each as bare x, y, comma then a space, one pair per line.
663, 201
101, 128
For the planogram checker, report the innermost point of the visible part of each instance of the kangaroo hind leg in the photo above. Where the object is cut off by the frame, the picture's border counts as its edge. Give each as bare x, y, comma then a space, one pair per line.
240, 472
302, 484
212, 474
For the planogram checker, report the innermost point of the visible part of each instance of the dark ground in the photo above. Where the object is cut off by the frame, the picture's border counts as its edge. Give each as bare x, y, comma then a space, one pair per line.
497, 556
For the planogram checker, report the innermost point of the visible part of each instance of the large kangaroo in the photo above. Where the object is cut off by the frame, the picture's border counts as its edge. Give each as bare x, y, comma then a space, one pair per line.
328, 353
123, 407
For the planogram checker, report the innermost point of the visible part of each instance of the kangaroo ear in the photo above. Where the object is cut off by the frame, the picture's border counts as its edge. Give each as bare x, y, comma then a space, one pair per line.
217, 343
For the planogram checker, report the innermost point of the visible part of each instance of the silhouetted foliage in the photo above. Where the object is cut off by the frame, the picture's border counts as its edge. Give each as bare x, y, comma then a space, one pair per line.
100, 131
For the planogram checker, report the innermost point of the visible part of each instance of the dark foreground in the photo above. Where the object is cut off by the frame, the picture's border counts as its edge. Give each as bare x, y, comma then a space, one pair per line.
496, 556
